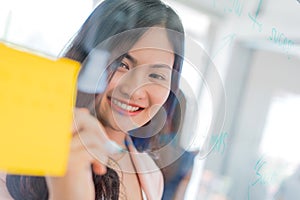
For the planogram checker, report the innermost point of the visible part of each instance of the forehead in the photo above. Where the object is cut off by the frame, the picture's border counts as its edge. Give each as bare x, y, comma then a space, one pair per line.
153, 47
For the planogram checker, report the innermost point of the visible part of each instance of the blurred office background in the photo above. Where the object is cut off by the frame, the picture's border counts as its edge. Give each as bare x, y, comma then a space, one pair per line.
254, 45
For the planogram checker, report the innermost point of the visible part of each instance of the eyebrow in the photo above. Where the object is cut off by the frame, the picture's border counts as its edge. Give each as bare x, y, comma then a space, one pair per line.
134, 61
161, 66
129, 57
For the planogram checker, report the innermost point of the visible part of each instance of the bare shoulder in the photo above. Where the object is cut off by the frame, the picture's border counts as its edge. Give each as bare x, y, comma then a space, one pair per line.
4, 194
2, 177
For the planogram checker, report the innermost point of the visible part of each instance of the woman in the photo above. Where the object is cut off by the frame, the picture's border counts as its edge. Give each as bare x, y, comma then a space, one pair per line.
140, 82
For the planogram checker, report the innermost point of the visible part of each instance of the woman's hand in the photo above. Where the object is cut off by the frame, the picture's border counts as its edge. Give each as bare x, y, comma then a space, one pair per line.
88, 147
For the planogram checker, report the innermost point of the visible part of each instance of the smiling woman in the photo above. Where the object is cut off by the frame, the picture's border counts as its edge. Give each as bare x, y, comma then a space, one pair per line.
142, 79
140, 85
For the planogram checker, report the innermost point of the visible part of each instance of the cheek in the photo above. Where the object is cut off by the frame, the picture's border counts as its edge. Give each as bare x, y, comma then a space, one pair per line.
112, 84
158, 96
160, 92
113, 81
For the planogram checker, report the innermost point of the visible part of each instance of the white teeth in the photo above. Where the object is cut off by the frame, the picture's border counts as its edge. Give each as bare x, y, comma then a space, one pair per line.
125, 106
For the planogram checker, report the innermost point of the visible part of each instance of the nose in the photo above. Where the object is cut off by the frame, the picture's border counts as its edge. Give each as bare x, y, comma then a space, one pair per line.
133, 86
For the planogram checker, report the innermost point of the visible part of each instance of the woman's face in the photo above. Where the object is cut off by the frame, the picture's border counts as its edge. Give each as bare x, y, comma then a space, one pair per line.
141, 83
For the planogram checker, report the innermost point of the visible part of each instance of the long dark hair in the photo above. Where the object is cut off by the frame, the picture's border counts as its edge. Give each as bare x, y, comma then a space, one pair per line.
111, 17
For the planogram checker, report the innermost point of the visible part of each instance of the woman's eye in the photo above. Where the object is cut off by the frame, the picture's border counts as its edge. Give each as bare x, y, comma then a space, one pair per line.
123, 66
157, 76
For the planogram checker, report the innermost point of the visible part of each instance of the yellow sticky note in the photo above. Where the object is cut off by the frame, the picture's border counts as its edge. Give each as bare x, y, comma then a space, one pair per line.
37, 98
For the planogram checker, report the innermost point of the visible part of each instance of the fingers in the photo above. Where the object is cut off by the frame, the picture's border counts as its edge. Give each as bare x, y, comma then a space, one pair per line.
86, 123
99, 168
90, 144
83, 155
81, 116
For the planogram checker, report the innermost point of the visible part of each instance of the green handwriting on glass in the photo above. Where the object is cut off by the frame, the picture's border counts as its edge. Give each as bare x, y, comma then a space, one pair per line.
262, 176
236, 7
281, 40
219, 142
254, 18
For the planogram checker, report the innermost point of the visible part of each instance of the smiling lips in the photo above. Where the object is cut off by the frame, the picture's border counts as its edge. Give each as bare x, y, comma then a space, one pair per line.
125, 108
